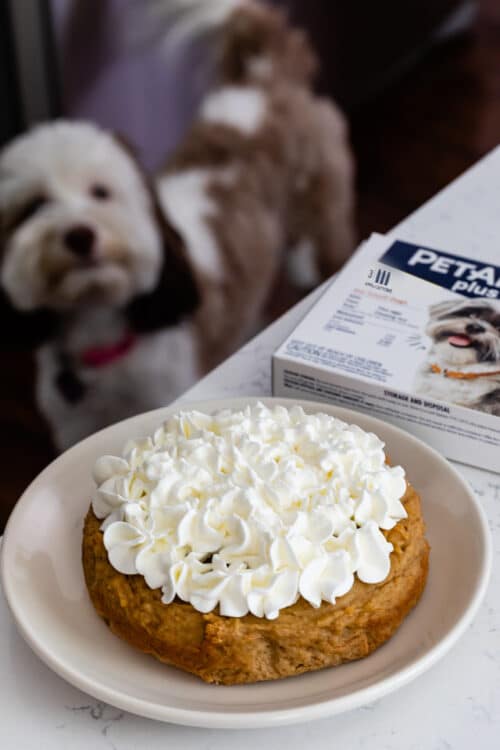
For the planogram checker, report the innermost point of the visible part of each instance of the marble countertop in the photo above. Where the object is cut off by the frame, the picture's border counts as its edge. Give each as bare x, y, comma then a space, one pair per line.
453, 706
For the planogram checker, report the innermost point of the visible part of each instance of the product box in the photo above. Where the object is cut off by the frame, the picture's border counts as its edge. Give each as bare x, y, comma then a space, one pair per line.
411, 335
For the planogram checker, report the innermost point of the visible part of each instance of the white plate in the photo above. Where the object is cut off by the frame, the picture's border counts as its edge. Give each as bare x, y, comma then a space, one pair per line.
43, 582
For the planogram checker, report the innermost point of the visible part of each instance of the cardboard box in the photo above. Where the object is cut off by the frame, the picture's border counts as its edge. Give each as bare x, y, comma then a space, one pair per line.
411, 335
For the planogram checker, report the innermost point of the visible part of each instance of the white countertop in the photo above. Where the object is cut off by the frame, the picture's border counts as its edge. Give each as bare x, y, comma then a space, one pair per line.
454, 706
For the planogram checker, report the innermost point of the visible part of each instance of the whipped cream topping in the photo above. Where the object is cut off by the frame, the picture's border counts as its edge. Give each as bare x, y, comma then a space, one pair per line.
251, 509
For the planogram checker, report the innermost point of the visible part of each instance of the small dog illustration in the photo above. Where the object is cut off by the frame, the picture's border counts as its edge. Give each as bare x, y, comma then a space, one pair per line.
463, 365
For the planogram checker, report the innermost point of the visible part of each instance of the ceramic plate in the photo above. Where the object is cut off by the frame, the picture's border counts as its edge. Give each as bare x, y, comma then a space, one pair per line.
43, 582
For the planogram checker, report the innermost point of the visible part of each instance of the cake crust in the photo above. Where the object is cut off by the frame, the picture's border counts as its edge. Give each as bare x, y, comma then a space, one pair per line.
228, 650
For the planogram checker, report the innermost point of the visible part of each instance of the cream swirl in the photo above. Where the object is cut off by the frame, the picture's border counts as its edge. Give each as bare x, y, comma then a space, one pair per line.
250, 509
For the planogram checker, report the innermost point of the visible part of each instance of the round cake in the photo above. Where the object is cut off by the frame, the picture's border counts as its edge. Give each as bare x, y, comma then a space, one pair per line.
255, 544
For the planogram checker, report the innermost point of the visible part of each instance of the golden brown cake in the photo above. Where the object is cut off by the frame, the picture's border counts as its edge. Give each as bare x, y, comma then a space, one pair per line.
227, 650
254, 545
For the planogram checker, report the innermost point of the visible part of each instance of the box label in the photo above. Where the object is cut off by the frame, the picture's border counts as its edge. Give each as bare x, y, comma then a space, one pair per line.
460, 275
409, 333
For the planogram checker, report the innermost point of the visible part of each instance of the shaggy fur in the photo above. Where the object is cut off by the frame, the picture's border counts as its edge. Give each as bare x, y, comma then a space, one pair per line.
88, 262
135, 294
270, 167
465, 342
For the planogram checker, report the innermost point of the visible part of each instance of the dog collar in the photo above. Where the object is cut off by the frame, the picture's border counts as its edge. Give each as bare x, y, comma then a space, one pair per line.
67, 382
462, 375
100, 356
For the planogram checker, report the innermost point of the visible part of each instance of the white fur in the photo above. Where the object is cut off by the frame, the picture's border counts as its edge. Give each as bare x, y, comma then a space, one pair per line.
155, 371
260, 67
301, 265
451, 390
240, 107
189, 207
62, 162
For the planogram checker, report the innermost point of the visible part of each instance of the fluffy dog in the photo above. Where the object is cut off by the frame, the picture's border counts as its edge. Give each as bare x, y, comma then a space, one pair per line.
90, 267
265, 166
463, 365
136, 300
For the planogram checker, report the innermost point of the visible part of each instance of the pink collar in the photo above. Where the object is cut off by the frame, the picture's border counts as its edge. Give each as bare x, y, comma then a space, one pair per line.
100, 356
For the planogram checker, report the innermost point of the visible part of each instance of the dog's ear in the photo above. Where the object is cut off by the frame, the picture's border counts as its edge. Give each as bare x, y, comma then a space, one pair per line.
21, 330
176, 294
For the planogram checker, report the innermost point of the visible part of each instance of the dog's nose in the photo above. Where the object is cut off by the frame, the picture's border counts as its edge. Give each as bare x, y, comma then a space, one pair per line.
80, 240
474, 328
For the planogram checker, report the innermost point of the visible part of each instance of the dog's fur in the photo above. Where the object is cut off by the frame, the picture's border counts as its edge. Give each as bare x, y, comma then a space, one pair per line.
265, 165
65, 176
478, 321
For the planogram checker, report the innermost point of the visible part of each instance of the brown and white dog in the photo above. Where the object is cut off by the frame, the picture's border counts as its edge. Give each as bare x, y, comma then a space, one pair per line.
463, 364
143, 292
266, 166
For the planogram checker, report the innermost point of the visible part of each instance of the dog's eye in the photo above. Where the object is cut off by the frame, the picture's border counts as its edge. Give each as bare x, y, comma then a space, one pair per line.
100, 192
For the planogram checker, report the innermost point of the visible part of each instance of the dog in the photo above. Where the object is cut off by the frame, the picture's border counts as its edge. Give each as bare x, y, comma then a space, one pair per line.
136, 290
92, 273
463, 364
267, 163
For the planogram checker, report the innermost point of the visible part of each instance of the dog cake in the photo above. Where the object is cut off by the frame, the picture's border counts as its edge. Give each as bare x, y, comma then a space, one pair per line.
254, 544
